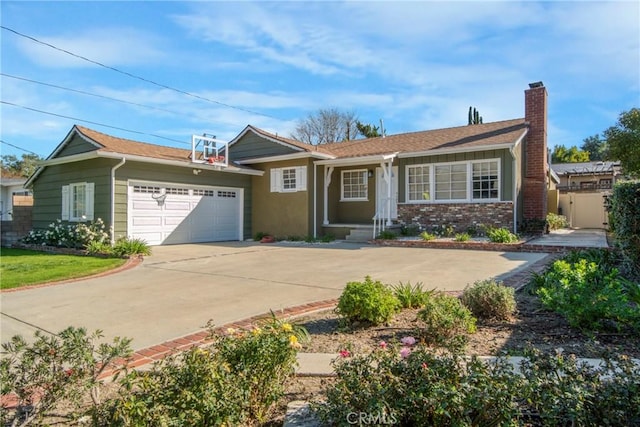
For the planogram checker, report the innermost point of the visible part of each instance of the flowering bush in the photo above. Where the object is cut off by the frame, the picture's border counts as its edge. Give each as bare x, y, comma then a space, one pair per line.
55, 368
69, 235
236, 381
418, 388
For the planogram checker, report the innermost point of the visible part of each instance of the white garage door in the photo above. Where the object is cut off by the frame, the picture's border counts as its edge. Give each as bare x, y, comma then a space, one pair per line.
170, 214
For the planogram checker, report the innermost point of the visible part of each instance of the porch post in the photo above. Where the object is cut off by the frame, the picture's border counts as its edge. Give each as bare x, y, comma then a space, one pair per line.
328, 170
387, 170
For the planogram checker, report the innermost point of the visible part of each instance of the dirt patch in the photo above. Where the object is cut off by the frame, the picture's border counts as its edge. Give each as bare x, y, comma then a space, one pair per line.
532, 325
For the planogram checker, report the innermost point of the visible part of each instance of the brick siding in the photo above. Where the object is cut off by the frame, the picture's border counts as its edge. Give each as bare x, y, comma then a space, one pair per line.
536, 169
459, 215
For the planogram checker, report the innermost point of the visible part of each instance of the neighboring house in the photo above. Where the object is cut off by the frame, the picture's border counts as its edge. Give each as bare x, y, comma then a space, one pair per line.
10, 187
492, 173
582, 189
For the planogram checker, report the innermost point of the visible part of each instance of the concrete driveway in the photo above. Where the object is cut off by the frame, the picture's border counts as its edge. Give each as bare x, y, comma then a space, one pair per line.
175, 291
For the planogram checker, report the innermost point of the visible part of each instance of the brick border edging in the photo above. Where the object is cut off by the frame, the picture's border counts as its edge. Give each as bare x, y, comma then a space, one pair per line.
131, 263
157, 352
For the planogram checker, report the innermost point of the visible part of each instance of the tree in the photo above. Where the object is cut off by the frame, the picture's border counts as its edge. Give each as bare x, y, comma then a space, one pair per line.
11, 166
562, 154
325, 126
368, 131
596, 147
624, 141
474, 117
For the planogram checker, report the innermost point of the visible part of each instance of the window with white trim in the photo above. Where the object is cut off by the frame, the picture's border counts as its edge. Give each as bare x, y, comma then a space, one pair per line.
77, 202
354, 185
485, 180
419, 182
453, 182
285, 180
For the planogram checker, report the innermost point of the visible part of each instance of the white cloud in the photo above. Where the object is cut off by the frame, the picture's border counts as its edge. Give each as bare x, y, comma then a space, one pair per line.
111, 46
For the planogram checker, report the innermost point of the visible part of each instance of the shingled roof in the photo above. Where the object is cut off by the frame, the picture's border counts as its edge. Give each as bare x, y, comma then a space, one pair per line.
113, 144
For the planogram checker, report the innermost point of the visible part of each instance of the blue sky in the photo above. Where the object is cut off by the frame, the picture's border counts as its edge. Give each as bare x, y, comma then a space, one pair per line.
416, 65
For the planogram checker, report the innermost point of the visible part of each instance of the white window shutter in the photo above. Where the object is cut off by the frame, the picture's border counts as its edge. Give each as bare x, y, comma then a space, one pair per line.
89, 194
276, 180
66, 203
301, 178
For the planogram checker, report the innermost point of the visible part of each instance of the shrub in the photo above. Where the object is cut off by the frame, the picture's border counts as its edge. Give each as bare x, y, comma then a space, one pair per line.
410, 230
501, 235
556, 222
69, 235
238, 380
420, 389
387, 235
462, 237
411, 296
367, 301
327, 238
259, 235
55, 368
445, 318
625, 214
444, 230
489, 299
426, 236
130, 246
589, 296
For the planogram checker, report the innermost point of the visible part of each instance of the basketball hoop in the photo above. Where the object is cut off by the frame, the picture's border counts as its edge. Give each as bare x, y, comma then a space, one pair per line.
159, 198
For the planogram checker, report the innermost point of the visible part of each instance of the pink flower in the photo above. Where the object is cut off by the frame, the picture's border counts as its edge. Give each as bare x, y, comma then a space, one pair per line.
408, 341
345, 353
424, 366
383, 344
405, 352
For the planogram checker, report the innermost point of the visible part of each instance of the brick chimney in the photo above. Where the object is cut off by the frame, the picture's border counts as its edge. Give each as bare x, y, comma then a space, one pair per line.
535, 151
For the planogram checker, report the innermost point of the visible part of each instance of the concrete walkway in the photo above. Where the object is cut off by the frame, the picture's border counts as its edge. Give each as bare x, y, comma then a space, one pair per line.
590, 238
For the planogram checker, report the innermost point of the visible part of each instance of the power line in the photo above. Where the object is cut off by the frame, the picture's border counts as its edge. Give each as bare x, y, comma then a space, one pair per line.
19, 148
134, 75
91, 122
92, 94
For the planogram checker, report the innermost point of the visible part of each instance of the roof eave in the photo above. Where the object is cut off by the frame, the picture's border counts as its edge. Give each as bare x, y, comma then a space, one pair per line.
508, 145
284, 157
250, 128
362, 160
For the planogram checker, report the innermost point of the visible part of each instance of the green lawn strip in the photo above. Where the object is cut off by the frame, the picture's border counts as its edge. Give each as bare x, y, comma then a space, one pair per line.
20, 267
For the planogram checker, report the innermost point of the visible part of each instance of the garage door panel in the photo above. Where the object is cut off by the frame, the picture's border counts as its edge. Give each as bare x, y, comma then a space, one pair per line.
194, 215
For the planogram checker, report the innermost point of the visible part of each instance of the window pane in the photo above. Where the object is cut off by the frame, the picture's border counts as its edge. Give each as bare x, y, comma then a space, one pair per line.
451, 182
485, 180
354, 185
419, 183
78, 194
289, 179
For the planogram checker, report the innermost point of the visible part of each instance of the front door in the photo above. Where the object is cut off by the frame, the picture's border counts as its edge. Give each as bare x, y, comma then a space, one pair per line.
382, 192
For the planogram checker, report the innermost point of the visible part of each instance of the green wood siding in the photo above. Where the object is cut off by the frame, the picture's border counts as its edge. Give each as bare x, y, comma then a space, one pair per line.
252, 146
47, 189
506, 168
283, 214
77, 145
351, 212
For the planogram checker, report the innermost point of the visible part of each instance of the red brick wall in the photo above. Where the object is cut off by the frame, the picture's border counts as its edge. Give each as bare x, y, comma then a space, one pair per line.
536, 166
459, 215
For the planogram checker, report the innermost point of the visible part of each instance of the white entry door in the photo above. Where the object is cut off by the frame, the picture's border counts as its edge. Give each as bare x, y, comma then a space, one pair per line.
382, 192
168, 214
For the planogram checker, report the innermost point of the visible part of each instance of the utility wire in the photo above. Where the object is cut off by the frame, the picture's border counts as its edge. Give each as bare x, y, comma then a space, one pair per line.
19, 148
135, 76
92, 94
93, 123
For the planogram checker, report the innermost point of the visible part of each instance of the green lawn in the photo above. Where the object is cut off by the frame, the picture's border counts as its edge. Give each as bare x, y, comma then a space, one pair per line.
19, 267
